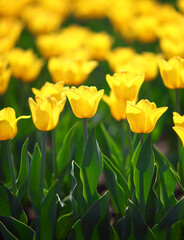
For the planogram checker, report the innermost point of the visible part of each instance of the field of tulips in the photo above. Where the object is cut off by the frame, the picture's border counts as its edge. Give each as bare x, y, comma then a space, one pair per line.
91, 119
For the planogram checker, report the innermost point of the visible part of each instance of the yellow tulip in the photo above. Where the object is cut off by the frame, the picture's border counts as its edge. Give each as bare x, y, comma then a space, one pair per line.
179, 125
172, 72
24, 64
45, 112
57, 90
5, 74
71, 71
84, 100
143, 116
125, 84
8, 123
117, 107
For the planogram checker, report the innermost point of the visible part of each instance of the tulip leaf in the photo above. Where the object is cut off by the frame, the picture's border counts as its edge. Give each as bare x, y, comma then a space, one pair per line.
167, 180
22, 175
64, 224
10, 206
95, 224
91, 168
78, 201
48, 214
115, 190
65, 150
143, 172
34, 177
17, 228
5, 233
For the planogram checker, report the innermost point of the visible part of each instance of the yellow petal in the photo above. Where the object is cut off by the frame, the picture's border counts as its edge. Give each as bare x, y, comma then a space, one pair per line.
6, 130
180, 133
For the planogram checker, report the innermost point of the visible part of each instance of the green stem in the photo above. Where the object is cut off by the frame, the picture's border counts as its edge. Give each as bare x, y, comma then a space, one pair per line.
129, 140
142, 138
42, 169
11, 166
85, 130
177, 101
123, 143
54, 160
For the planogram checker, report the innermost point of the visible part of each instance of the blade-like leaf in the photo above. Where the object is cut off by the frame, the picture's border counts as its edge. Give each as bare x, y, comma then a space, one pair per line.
64, 224
5, 234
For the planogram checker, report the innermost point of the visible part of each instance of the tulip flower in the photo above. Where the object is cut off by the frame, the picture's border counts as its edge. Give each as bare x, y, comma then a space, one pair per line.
24, 64
57, 90
5, 74
84, 100
8, 123
125, 85
71, 71
179, 125
172, 72
45, 112
143, 116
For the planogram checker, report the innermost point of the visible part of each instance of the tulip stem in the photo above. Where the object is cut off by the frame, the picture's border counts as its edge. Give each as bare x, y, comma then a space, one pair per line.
122, 143
85, 130
142, 138
42, 169
177, 101
129, 139
54, 160
11, 166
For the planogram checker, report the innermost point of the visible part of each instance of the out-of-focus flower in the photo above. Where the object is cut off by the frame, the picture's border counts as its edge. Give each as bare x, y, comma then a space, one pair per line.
71, 71
57, 90
117, 107
40, 20
119, 56
172, 72
146, 63
24, 64
84, 100
45, 112
143, 116
5, 73
90, 9
172, 47
8, 123
10, 30
99, 45
126, 85
179, 125
12, 7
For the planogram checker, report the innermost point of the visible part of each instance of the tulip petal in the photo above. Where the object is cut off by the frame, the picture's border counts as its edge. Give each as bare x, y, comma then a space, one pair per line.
180, 133
6, 130
156, 114
178, 119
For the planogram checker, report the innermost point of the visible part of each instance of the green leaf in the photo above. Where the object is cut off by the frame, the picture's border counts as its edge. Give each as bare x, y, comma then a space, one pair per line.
10, 206
173, 215
78, 201
116, 191
17, 228
95, 225
65, 150
48, 214
91, 168
64, 224
22, 175
167, 180
34, 177
5, 234
143, 172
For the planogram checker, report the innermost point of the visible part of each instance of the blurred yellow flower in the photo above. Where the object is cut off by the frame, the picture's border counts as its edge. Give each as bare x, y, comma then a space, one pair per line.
126, 85
8, 123
24, 64
84, 100
46, 111
57, 90
172, 47
71, 71
143, 116
117, 107
5, 73
172, 72
179, 125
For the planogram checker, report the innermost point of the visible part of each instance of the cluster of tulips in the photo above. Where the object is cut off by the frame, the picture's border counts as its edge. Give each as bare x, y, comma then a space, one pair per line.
65, 52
